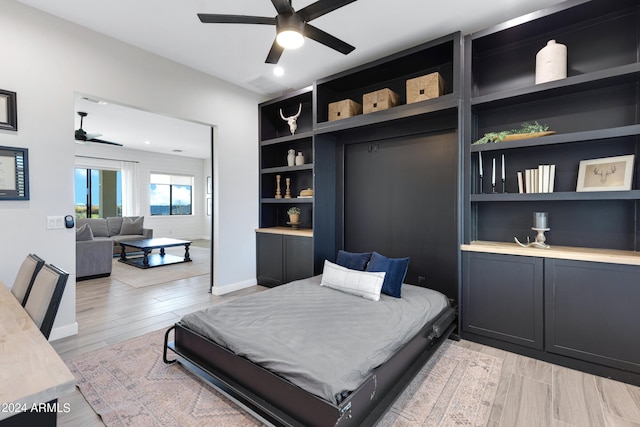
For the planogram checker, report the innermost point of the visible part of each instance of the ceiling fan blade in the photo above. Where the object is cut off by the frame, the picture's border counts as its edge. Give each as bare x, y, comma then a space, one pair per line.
282, 6
102, 141
321, 7
275, 53
208, 18
327, 39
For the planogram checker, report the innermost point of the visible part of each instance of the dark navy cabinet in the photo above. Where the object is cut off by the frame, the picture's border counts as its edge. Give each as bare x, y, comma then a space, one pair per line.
282, 258
503, 298
591, 312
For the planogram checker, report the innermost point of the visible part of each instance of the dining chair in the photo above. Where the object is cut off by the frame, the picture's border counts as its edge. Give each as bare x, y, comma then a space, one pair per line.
26, 275
44, 298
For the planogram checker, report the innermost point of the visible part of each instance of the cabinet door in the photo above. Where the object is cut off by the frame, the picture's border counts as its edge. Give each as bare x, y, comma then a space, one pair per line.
592, 312
502, 298
298, 257
269, 259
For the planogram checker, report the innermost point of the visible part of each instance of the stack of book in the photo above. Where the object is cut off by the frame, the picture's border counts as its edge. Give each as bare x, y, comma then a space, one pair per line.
540, 180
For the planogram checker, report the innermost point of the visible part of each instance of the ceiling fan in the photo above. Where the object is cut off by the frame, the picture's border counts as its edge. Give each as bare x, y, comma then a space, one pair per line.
291, 26
81, 135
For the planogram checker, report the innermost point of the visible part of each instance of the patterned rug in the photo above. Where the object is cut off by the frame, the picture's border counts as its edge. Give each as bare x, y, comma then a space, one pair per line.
136, 277
127, 384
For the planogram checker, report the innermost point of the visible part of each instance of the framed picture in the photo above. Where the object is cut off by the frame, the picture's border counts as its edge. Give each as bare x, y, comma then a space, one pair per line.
208, 185
14, 173
208, 206
606, 174
8, 112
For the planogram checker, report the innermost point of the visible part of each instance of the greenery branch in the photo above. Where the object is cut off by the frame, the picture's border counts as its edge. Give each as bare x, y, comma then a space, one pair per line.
293, 210
499, 136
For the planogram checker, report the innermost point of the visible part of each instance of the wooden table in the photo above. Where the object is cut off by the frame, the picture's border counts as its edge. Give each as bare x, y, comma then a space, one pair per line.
156, 260
32, 375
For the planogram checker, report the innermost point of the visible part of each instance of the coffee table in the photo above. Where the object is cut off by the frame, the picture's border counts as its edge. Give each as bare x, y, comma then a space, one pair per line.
148, 260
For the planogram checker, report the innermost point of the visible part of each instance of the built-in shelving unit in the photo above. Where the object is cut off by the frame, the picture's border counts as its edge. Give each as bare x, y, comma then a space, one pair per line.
334, 149
553, 303
594, 112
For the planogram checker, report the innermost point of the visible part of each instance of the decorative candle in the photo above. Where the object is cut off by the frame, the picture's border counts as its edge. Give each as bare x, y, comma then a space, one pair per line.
540, 220
480, 161
493, 172
503, 167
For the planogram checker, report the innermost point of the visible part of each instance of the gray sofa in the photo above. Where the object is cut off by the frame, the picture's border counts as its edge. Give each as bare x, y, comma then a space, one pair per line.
117, 229
98, 240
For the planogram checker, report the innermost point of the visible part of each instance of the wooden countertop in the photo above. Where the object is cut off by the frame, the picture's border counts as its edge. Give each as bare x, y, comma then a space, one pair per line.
559, 252
302, 232
30, 369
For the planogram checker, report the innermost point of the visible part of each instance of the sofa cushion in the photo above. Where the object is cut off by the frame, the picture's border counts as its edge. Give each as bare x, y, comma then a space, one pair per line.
114, 223
98, 226
84, 233
132, 225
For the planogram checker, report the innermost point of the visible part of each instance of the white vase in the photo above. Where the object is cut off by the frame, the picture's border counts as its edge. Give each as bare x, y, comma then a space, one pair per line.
299, 159
291, 157
551, 62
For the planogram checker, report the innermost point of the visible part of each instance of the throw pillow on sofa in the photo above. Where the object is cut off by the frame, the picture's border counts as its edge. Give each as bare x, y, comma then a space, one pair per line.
84, 233
132, 225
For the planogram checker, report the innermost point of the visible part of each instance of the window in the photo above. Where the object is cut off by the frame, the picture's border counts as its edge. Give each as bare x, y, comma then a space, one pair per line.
98, 193
171, 194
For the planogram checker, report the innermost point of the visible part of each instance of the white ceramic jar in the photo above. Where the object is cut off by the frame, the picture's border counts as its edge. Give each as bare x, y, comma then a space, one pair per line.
551, 62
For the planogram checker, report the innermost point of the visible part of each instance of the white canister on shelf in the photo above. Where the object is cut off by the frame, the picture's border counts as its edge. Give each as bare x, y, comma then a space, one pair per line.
291, 157
551, 62
299, 159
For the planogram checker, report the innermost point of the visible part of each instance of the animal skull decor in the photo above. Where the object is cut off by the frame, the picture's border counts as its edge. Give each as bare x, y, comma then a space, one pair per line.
291, 120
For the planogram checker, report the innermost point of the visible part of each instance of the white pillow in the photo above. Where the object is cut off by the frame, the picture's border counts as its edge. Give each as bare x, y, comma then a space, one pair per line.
365, 284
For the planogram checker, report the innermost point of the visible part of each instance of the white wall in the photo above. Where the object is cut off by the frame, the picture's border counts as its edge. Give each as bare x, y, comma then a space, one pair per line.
46, 60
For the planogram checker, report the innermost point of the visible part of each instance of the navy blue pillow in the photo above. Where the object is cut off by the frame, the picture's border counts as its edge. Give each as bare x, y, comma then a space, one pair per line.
352, 260
396, 269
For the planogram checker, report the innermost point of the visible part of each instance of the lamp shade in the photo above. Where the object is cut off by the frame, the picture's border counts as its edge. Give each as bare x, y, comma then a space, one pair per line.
290, 39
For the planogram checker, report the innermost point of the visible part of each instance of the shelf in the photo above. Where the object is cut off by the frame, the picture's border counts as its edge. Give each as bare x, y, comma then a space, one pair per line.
286, 201
289, 231
284, 169
570, 85
288, 138
443, 103
558, 196
591, 135
611, 256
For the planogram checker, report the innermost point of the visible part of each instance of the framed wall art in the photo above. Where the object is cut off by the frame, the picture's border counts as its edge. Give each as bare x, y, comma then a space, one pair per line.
8, 112
14, 173
606, 174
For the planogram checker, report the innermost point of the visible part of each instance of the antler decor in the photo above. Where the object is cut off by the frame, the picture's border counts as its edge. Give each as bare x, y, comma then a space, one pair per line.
291, 120
604, 174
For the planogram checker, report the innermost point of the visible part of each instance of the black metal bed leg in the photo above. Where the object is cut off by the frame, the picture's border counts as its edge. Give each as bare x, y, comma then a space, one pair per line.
166, 347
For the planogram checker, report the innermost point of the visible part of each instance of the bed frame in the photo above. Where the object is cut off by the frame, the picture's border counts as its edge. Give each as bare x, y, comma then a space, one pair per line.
276, 401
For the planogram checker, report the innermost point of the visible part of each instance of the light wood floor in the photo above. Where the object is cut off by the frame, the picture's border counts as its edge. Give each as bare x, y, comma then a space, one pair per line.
530, 392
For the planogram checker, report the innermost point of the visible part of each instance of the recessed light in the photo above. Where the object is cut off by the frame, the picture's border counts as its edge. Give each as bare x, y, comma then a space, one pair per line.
278, 71
147, 142
177, 151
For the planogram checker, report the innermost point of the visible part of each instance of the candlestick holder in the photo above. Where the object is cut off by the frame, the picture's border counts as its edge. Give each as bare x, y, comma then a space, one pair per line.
539, 242
503, 185
481, 186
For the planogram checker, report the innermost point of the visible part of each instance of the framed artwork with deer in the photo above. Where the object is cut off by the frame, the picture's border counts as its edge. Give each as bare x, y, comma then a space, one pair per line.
606, 174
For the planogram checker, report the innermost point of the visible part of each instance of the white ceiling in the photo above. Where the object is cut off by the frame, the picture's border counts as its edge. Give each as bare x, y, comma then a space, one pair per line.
133, 128
236, 52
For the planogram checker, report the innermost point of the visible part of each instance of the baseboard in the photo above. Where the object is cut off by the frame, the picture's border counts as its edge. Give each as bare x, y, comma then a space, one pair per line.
63, 331
222, 290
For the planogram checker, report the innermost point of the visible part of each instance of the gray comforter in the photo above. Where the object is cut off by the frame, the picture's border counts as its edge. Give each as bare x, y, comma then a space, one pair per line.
323, 340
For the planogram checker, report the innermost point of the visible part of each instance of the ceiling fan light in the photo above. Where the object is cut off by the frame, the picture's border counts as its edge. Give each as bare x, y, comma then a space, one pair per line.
290, 39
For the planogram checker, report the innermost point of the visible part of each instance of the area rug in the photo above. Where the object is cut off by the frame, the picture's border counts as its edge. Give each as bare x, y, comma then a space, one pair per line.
127, 384
138, 278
